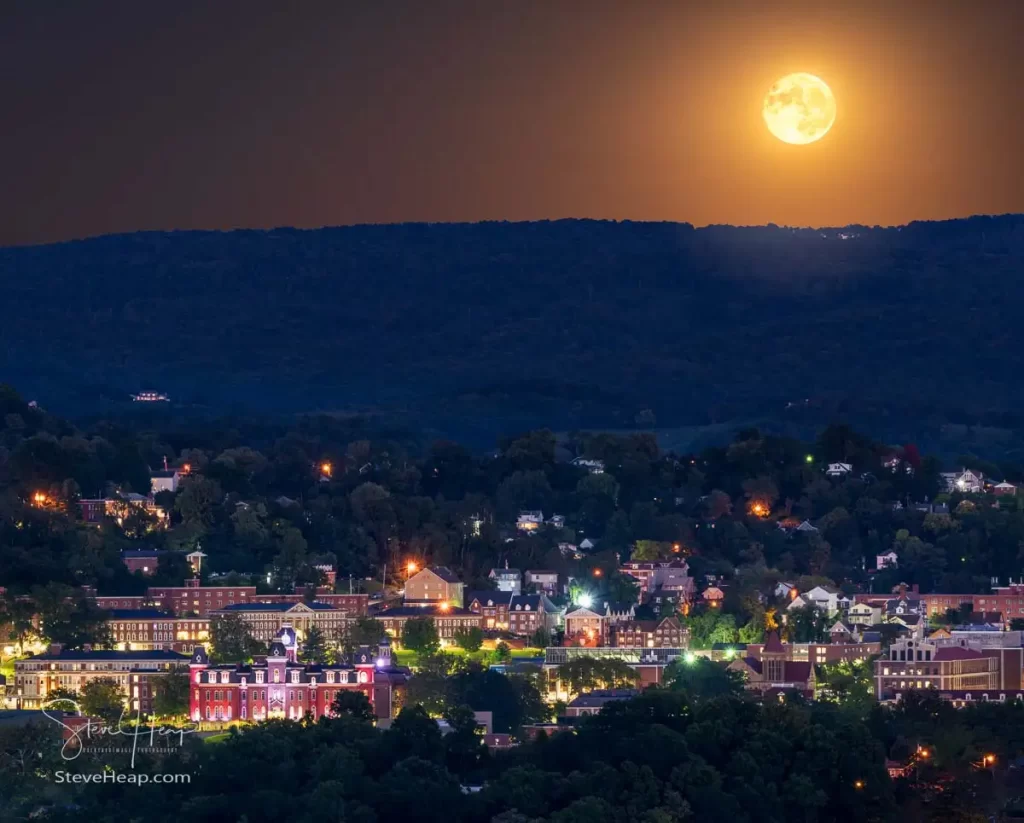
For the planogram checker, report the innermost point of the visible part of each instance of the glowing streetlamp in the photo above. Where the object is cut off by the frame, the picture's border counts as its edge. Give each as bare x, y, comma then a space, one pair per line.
326, 469
597, 572
584, 600
411, 568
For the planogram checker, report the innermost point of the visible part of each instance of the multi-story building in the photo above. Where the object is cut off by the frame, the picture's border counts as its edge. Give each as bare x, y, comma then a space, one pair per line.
492, 606
280, 687
193, 599
133, 671
351, 605
821, 653
666, 633
265, 620
507, 580
165, 480
435, 584
144, 561
529, 521
447, 619
773, 673
529, 612
586, 626
913, 663
154, 630
672, 575
542, 580
121, 507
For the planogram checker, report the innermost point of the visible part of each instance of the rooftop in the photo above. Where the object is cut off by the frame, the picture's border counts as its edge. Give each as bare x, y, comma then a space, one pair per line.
138, 614
105, 655
275, 607
425, 611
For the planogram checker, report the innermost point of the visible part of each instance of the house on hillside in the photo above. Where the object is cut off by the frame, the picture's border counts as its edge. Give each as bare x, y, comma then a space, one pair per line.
507, 580
529, 521
1004, 489
965, 481
838, 469
886, 560
592, 466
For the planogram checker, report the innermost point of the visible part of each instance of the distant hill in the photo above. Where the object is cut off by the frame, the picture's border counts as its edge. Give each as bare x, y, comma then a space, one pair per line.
571, 324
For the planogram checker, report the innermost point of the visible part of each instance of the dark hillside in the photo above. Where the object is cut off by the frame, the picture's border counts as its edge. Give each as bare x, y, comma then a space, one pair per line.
567, 324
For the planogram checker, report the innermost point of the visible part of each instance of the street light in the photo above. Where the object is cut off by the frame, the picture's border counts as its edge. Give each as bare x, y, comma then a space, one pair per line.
411, 567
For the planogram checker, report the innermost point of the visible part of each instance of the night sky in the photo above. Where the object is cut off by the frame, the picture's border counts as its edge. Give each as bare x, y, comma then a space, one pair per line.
144, 115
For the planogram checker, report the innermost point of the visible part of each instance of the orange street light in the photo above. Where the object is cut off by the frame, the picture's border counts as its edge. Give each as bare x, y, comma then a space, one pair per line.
597, 572
186, 469
443, 606
411, 567
989, 759
858, 784
326, 468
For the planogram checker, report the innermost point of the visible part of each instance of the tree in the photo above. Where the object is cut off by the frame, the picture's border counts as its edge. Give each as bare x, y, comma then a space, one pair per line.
170, 693
314, 648
195, 502
419, 634
470, 639
363, 631
63, 699
17, 616
67, 617
645, 551
703, 679
232, 640
102, 698
502, 652
541, 638
354, 704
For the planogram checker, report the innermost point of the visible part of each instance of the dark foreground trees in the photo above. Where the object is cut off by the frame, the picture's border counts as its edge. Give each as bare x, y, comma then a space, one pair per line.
657, 759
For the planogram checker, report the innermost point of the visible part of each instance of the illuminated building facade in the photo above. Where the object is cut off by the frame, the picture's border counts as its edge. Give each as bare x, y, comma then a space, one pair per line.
37, 676
280, 687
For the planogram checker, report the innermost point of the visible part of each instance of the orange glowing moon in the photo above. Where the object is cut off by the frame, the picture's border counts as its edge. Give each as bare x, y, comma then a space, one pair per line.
799, 109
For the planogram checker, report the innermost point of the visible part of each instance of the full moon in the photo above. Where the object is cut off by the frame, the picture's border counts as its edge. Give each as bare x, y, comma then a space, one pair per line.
800, 108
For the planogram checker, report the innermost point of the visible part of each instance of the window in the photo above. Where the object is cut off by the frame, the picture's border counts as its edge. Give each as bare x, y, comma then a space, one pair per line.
259, 677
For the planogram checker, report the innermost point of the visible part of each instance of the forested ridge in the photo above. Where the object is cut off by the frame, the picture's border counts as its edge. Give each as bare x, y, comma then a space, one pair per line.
496, 326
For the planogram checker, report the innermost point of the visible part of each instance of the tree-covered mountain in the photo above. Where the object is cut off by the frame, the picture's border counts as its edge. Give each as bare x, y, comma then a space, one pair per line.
571, 324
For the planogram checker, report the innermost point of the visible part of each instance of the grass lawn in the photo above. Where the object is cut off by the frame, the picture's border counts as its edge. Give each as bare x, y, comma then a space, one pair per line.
517, 653
217, 738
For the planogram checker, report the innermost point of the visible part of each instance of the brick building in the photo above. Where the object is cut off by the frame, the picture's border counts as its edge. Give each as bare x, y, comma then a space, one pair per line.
436, 584
447, 619
154, 630
821, 653
144, 561
666, 633
912, 663
37, 676
529, 612
352, 605
265, 620
492, 606
280, 687
773, 673
193, 599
